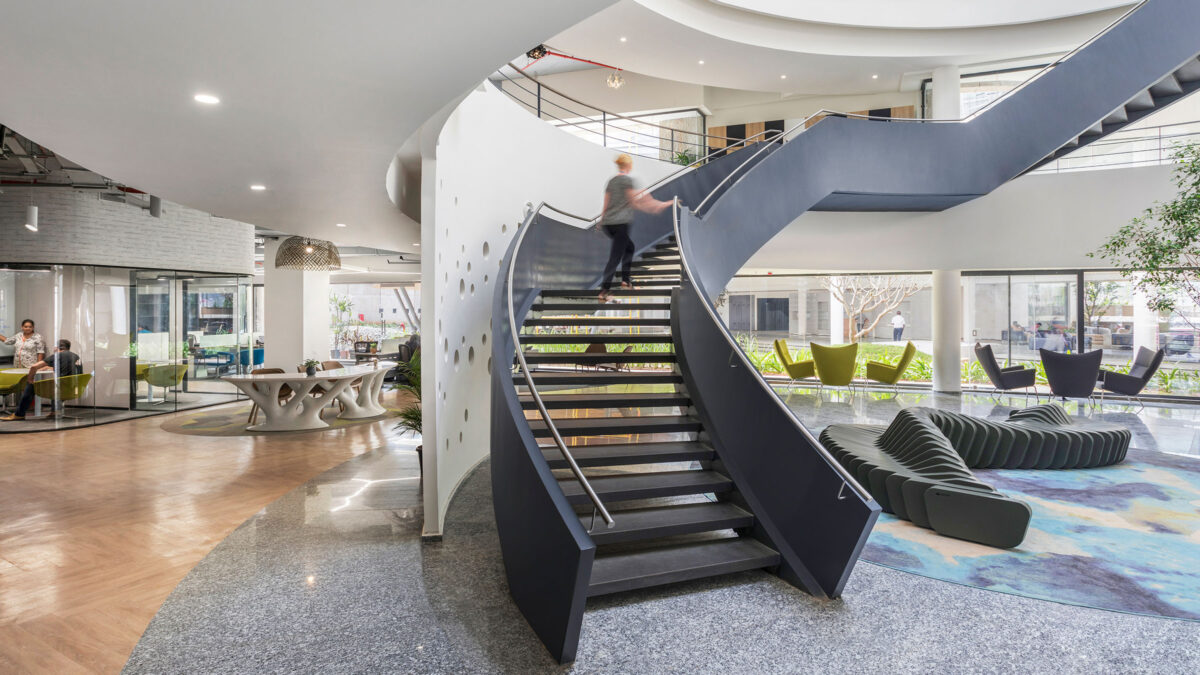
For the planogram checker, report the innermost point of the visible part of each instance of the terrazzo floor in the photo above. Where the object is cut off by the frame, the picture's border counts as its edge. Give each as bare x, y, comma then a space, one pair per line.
333, 577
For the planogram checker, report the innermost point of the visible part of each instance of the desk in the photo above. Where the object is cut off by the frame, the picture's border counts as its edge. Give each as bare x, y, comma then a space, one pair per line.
40, 375
311, 394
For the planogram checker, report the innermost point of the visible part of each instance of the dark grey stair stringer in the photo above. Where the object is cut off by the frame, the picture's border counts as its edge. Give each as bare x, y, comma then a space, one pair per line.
629, 571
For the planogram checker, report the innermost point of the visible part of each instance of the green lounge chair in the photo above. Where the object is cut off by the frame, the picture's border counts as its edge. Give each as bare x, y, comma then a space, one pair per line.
64, 389
835, 365
796, 370
889, 374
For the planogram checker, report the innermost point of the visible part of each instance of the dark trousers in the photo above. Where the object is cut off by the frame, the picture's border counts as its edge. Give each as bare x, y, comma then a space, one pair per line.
896, 333
26, 401
622, 252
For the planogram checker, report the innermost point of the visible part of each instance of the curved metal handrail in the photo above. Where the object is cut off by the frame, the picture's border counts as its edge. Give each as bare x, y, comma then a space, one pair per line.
533, 390
687, 273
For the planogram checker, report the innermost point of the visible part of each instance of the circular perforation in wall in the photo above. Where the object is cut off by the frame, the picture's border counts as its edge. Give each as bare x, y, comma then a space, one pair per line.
462, 288
456, 359
487, 250
471, 356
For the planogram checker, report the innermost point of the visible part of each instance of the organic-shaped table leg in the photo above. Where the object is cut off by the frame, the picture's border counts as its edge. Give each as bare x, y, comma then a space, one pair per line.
300, 412
366, 403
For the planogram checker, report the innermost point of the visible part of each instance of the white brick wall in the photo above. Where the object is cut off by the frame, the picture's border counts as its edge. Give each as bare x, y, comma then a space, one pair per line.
77, 227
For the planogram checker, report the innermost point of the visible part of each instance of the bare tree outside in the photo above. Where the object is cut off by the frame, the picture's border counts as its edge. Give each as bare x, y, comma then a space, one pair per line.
871, 297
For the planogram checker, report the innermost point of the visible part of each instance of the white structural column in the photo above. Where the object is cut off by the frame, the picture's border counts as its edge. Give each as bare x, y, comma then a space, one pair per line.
947, 94
296, 316
947, 331
837, 320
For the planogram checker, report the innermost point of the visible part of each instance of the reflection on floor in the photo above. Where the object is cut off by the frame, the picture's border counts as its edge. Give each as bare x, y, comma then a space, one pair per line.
1160, 426
98, 525
76, 416
334, 578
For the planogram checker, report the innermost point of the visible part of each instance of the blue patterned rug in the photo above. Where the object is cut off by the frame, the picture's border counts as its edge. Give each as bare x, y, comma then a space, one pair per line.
1123, 538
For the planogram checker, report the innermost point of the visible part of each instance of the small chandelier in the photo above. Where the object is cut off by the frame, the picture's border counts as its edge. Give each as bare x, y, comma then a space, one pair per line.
537, 52
615, 80
313, 255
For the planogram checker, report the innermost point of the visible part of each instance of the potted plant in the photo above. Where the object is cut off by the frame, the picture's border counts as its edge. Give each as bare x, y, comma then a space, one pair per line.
410, 415
310, 367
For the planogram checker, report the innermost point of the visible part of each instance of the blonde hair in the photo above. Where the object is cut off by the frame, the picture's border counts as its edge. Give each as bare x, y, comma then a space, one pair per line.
624, 160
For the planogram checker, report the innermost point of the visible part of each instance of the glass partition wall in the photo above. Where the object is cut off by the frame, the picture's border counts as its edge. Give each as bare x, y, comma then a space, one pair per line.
148, 341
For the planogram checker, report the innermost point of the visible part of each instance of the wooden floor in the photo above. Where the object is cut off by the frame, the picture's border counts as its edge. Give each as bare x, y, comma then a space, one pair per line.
98, 525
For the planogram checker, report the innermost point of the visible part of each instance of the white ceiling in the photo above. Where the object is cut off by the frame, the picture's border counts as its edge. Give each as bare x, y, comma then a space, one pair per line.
316, 96
746, 50
922, 13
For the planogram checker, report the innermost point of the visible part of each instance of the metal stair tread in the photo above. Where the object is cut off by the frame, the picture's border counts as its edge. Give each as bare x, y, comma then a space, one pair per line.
646, 485
641, 291
597, 321
597, 338
655, 567
543, 377
629, 453
601, 426
580, 401
594, 358
600, 306
668, 521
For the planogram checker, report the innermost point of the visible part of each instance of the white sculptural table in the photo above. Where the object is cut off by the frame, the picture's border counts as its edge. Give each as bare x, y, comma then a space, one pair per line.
311, 394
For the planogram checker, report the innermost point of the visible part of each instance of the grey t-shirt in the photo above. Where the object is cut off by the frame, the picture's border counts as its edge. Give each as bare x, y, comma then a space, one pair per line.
620, 210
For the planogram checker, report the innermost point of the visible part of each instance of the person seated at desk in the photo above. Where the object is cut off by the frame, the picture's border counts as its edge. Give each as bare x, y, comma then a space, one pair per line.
31, 348
65, 363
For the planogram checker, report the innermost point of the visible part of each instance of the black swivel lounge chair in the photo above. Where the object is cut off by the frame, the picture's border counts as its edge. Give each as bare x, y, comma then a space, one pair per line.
1072, 375
1004, 379
1144, 367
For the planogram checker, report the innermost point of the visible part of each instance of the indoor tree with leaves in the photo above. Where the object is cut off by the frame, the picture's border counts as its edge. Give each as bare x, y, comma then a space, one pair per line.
1159, 251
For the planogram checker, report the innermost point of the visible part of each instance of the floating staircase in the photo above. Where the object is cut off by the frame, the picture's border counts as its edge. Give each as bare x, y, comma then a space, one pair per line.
633, 428
703, 470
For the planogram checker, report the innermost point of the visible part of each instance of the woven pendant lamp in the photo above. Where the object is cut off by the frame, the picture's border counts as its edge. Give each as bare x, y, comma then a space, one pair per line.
313, 255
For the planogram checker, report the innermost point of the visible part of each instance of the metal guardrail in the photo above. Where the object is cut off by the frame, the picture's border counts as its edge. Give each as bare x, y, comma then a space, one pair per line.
1152, 146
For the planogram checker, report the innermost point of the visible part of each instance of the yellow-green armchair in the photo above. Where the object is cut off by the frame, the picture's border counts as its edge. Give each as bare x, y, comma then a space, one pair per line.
888, 374
835, 365
796, 370
167, 376
63, 389
12, 384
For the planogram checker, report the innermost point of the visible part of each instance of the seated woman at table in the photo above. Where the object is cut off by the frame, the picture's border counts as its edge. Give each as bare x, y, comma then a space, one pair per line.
31, 348
64, 362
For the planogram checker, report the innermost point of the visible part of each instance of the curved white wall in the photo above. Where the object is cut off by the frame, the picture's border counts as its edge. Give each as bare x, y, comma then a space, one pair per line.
78, 227
492, 158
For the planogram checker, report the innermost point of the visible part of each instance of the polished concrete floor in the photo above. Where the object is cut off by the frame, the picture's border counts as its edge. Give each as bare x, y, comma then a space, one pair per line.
333, 577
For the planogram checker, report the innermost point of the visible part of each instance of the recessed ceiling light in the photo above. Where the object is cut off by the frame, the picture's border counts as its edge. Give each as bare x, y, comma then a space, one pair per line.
207, 99
874, 77
416, 243
624, 40
701, 62
341, 224
783, 77
258, 187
